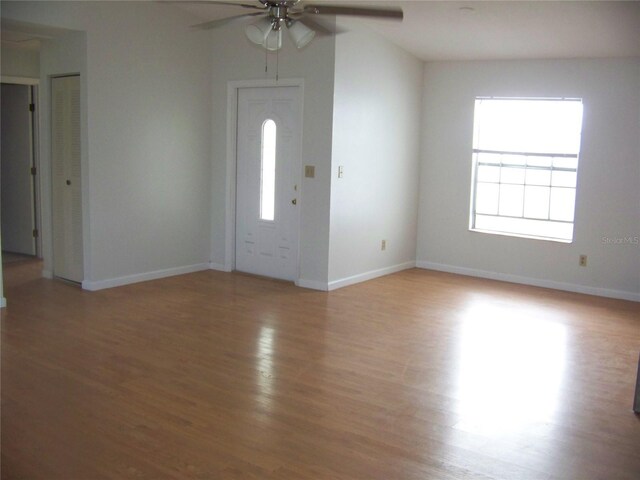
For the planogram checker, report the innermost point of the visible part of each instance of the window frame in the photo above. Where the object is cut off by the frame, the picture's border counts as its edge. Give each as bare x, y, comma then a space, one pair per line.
527, 167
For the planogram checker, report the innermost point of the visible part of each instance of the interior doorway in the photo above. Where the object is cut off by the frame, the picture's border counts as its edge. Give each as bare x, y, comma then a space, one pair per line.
19, 202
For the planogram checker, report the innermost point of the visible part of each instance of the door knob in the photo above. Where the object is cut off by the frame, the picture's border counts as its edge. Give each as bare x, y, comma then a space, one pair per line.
68, 182
294, 201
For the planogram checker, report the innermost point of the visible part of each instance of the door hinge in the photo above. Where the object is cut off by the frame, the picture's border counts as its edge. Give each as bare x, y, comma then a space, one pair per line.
32, 107
33, 170
35, 233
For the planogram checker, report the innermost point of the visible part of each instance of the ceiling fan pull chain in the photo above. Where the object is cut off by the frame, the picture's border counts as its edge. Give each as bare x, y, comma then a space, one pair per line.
266, 63
277, 63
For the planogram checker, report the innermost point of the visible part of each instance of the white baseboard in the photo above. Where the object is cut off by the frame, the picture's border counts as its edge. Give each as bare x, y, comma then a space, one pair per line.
536, 282
219, 267
312, 284
363, 277
3, 302
142, 277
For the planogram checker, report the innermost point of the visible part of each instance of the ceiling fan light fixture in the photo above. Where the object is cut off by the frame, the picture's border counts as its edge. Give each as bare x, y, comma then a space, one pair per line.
299, 33
273, 40
259, 31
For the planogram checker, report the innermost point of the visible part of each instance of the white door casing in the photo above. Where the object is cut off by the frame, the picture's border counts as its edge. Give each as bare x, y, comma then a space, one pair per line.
268, 247
66, 178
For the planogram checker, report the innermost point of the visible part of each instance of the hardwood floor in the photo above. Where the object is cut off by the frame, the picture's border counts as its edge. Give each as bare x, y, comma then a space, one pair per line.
417, 375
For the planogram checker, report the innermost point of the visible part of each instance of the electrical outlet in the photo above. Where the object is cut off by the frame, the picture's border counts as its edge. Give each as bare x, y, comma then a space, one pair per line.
583, 260
383, 245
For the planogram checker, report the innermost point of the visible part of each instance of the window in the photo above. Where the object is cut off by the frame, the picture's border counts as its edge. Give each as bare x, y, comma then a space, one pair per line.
268, 171
525, 164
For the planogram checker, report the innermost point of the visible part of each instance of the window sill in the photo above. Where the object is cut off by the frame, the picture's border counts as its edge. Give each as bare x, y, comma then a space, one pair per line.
519, 235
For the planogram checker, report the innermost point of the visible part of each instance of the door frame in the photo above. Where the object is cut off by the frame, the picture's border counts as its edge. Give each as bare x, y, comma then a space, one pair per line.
231, 173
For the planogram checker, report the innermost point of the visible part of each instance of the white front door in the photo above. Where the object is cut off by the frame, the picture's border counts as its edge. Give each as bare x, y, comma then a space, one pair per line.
268, 175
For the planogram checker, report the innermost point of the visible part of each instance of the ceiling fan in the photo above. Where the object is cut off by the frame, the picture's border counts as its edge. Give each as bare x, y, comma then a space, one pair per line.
296, 17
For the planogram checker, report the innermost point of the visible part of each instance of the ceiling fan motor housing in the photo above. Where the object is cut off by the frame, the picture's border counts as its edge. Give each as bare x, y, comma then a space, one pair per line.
278, 15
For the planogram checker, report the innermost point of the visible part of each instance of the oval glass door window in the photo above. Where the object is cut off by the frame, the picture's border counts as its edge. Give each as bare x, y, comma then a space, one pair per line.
268, 171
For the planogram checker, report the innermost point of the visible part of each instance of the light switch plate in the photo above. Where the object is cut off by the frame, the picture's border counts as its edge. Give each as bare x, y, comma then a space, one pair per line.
309, 171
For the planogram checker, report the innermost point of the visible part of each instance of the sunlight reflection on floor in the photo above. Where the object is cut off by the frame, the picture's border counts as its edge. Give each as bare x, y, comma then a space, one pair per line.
511, 367
264, 358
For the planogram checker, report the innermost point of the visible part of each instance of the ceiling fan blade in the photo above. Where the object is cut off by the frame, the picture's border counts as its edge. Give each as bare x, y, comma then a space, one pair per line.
214, 2
225, 21
319, 27
390, 13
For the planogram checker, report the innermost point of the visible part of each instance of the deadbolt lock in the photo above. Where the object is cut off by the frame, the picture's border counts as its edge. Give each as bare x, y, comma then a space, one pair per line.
68, 182
294, 201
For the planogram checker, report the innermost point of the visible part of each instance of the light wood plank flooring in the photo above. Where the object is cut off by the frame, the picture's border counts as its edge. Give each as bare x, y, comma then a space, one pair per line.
417, 375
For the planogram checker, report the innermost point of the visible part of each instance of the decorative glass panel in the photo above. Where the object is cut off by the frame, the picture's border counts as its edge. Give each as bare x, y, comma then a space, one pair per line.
268, 171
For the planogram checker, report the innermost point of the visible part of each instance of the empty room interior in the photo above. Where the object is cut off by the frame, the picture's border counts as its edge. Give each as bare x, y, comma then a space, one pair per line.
285, 239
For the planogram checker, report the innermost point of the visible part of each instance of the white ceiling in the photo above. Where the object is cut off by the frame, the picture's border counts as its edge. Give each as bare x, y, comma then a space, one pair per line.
481, 30
26, 35
470, 30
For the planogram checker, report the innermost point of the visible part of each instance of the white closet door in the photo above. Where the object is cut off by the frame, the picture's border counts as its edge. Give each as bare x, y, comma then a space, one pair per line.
67, 191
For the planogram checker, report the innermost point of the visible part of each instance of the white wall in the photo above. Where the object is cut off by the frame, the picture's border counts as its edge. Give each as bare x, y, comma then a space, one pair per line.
147, 97
376, 138
19, 62
235, 58
608, 196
